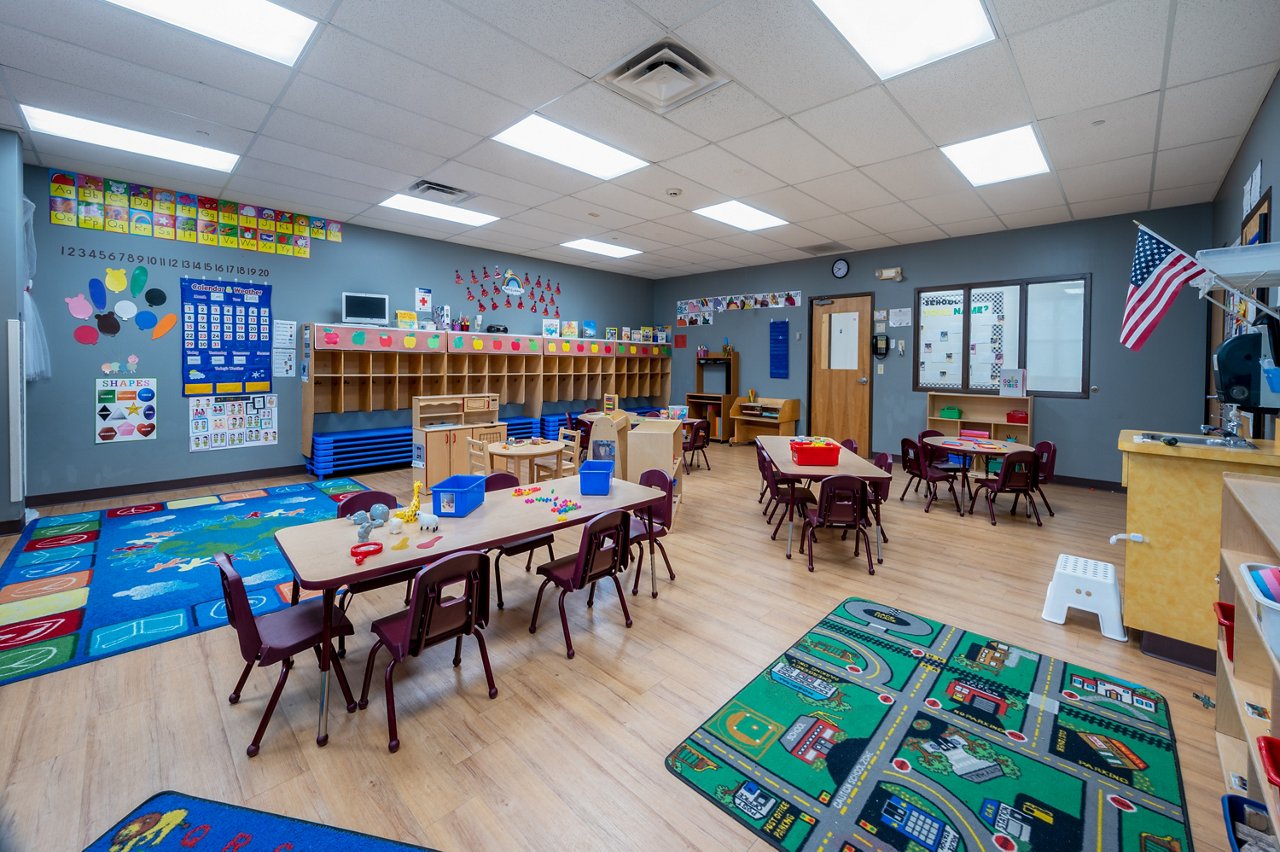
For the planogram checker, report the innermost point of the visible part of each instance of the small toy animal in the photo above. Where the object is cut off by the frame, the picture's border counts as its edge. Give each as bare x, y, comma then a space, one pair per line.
428, 522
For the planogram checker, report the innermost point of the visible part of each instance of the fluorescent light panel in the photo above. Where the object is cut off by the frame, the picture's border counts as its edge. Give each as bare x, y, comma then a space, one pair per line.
435, 210
1001, 156
895, 36
608, 249
120, 138
740, 215
257, 26
568, 148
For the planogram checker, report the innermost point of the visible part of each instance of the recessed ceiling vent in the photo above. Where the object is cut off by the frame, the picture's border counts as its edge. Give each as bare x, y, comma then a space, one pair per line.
824, 248
664, 76
441, 193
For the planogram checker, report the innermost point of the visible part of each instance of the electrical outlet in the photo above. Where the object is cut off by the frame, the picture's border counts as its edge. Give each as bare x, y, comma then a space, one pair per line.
879, 369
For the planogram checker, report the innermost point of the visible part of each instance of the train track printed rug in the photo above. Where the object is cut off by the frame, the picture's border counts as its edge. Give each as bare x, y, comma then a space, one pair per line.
884, 730
77, 588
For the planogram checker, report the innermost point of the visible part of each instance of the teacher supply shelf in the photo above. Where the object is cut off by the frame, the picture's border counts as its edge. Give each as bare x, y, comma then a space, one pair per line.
980, 413
705, 403
765, 416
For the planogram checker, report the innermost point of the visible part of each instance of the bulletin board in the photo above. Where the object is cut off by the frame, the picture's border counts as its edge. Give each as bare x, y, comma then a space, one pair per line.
941, 339
226, 337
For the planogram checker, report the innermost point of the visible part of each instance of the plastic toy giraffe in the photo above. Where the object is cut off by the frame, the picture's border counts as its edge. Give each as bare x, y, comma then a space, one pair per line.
410, 512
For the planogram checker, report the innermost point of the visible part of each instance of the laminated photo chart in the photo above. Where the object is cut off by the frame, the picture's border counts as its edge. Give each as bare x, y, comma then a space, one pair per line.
941, 338
231, 422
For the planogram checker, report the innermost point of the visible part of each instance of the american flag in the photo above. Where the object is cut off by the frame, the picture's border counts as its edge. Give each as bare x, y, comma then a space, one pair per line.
1159, 271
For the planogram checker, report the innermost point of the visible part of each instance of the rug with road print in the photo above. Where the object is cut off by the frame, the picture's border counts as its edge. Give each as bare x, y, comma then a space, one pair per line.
81, 587
884, 730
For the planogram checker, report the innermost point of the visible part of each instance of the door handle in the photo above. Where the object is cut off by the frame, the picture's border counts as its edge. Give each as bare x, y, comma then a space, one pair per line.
862, 381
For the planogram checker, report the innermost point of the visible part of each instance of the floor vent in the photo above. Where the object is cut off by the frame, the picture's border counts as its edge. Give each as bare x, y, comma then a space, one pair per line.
664, 76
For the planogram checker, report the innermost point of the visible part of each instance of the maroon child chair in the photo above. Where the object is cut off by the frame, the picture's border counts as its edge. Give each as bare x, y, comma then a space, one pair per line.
603, 553
850, 445
433, 617
697, 442
842, 505
937, 456
1047, 459
785, 491
878, 490
640, 532
915, 464
1019, 476
363, 501
275, 638
498, 482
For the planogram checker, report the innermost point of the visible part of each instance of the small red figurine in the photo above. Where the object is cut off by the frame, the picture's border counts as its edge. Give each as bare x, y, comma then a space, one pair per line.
457, 276
474, 279
485, 273
470, 296
557, 288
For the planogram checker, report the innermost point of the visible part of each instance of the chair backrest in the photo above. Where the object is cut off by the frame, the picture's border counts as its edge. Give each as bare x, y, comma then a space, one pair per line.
653, 414
881, 486
1019, 472
841, 500
239, 612
658, 478
591, 411
568, 460
604, 547
437, 616
477, 457
850, 445
363, 501
912, 463
929, 453
762, 460
500, 480
1047, 455
701, 434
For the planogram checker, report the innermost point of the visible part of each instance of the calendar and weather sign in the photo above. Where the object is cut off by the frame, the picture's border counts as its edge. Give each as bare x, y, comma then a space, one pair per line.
226, 337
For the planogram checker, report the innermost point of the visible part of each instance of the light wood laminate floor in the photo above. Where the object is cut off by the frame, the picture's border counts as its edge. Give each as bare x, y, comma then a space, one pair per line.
570, 754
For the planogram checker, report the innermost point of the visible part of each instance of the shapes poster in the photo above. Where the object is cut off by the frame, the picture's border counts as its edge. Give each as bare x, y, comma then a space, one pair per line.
124, 410
226, 337
230, 422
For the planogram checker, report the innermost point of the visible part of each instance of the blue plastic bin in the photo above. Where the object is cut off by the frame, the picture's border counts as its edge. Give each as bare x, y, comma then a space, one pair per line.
1233, 811
595, 477
457, 496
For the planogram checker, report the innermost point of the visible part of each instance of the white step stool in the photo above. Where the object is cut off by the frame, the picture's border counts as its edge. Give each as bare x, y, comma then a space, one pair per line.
1088, 585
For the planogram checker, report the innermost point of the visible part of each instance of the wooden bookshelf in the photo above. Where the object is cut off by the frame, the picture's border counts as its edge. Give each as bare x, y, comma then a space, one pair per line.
982, 412
707, 402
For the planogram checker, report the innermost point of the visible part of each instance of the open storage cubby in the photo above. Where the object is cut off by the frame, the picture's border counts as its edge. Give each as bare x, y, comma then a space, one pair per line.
714, 374
980, 412
1251, 673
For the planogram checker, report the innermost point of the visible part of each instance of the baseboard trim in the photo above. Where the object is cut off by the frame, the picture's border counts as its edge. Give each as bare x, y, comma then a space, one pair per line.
12, 527
1099, 484
34, 500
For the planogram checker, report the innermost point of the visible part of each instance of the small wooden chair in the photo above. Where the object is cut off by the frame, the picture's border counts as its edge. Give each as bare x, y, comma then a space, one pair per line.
477, 457
564, 464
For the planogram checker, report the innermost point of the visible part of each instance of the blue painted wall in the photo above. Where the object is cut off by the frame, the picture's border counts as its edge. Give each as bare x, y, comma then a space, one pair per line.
12, 280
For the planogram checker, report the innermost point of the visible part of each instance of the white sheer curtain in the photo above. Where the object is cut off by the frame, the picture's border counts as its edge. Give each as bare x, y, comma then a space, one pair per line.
36, 350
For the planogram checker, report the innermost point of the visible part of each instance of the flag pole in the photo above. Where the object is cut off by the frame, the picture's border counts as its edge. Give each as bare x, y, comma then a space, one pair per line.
1217, 281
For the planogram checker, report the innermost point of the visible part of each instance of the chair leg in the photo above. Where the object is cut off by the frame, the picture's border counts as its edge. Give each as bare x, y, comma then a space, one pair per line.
704, 457
244, 676
991, 506
1032, 503
344, 605
368, 674
341, 675
907, 487
772, 511
1013, 510
484, 658
1040, 491
670, 571
804, 534
764, 486
955, 498
635, 586
622, 599
457, 652
252, 750
781, 518
813, 542
497, 577
862, 531
393, 739
564, 623
591, 596
537, 604
931, 494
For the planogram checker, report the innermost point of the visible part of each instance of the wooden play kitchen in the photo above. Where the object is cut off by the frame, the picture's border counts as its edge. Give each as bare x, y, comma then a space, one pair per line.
441, 427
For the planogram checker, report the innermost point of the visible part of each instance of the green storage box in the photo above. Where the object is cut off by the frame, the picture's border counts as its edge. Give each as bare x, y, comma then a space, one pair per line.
950, 412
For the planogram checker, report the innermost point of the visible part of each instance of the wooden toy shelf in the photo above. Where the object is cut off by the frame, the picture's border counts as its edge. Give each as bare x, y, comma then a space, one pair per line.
765, 416
983, 412
1250, 533
706, 404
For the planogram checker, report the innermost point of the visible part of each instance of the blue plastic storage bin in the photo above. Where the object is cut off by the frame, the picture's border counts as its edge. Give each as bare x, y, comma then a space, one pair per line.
595, 477
1233, 811
457, 496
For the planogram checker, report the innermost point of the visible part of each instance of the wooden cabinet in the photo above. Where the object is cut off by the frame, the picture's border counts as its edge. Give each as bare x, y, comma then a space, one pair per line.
654, 442
765, 416
713, 374
980, 412
441, 427
1250, 533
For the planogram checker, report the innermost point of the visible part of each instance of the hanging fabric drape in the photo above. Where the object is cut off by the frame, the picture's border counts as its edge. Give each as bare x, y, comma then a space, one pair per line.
36, 346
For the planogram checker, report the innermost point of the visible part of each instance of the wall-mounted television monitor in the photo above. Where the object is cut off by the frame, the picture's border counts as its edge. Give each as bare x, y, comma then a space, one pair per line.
366, 309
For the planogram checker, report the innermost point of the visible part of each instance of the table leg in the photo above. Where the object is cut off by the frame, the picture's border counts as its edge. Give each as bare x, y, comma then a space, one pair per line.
322, 725
653, 559
791, 513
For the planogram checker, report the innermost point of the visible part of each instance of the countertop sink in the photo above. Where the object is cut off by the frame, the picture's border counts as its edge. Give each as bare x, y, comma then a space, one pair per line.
1186, 440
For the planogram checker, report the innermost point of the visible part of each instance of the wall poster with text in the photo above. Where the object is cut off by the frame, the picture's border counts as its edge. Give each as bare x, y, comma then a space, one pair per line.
226, 337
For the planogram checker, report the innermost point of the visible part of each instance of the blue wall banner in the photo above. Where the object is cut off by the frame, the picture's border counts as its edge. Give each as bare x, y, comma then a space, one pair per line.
226, 337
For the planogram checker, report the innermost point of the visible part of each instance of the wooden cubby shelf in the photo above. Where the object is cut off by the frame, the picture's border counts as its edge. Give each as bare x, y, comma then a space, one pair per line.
981, 412
707, 402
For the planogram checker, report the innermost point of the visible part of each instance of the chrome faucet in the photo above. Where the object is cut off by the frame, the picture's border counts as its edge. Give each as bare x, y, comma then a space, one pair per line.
1229, 431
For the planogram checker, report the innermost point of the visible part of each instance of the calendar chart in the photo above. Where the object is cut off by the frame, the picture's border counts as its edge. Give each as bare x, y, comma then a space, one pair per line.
226, 337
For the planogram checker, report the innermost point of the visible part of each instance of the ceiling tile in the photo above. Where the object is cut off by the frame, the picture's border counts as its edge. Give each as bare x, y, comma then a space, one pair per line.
662, 233
973, 226
723, 112
869, 243
716, 249
451, 40
1213, 109
615, 197
472, 179
399, 220
587, 213
1033, 218
1015, 16
308, 132
973, 94
345, 60
1184, 195
543, 218
789, 203
918, 235
1107, 180
486, 239
1195, 164
343, 168
891, 217
925, 173
848, 191
250, 167
671, 13
1126, 47
639, 243
950, 207
119, 165
794, 236
590, 36
864, 128
595, 111
819, 66
530, 230
840, 227
756, 243
1110, 206
656, 183
700, 226
1028, 193
786, 152
686, 254
1109, 132
266, 192
514, 163
722, 171
788, 254
1207, 42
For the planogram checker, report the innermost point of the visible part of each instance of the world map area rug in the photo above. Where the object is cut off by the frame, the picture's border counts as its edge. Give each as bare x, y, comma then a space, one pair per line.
77, 588
174, 821
883, 730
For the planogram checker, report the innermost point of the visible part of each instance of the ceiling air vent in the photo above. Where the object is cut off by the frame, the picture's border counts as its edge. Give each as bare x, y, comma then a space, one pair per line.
824, 248
664, 76
441, 193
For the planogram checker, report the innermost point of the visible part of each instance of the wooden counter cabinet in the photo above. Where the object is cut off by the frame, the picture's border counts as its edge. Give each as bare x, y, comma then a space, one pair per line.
441, 427
765, 416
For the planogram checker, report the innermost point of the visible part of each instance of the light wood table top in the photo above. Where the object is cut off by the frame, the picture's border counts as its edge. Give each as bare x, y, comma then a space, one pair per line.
320, 552
977, 446
851, 464
526, 450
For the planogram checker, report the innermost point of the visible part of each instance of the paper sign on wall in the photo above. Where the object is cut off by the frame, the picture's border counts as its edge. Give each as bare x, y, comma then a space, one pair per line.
230, 422
125, 410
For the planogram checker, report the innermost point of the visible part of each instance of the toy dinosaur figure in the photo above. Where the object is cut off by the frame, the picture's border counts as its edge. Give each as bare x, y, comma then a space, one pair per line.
410, 513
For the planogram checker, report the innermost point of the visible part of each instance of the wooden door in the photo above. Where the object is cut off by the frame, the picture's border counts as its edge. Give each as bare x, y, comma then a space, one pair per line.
840, 369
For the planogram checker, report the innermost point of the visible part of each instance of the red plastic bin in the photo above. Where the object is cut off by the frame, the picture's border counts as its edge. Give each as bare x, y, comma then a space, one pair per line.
1017, 415
814, 454
1226, 614
1269, 751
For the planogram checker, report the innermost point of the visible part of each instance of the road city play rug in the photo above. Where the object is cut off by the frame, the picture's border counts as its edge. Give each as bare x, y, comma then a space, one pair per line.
80, 587
880, 729
173, 821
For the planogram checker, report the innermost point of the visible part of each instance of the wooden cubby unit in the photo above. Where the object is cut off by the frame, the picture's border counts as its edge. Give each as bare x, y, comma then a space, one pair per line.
765, 416
707, 402
985, 412
1250, 533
